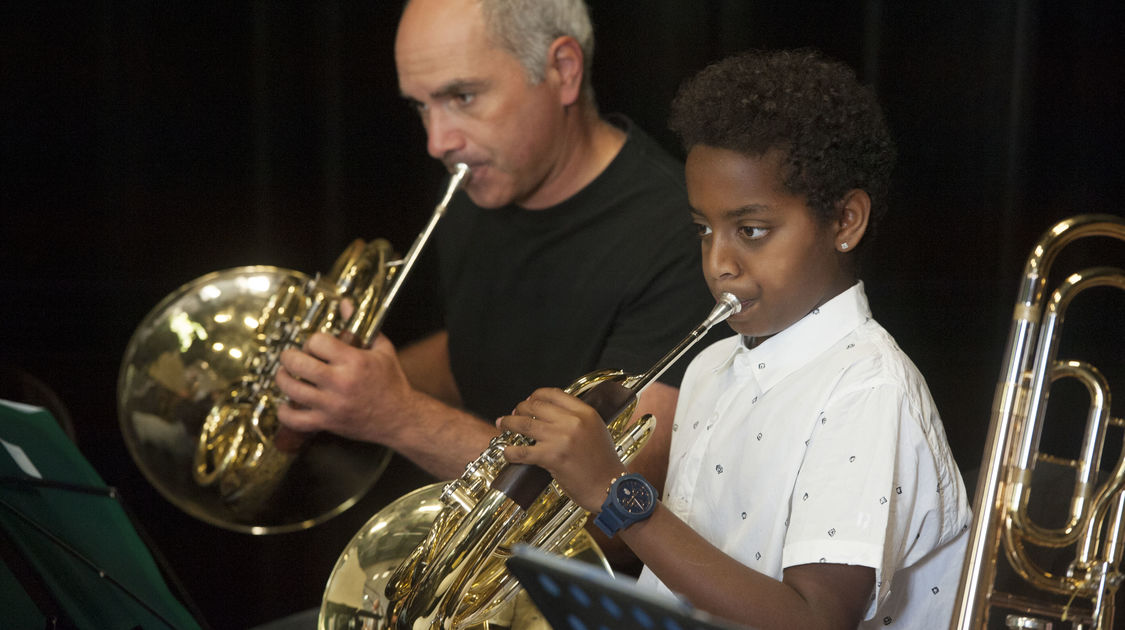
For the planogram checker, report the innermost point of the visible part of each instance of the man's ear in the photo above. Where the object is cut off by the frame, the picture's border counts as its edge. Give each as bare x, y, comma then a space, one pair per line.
565, 66
854, 211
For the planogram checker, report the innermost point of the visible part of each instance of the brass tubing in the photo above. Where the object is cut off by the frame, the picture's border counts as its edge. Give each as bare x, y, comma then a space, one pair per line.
1015, 419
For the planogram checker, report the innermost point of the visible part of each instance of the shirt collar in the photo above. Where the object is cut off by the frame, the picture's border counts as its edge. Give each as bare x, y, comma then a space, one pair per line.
782, 354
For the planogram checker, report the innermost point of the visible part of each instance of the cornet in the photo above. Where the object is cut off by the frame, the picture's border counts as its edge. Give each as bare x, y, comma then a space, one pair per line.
435, 557
197, 401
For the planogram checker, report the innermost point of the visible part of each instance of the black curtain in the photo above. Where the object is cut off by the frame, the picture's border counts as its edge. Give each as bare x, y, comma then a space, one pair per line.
145, 144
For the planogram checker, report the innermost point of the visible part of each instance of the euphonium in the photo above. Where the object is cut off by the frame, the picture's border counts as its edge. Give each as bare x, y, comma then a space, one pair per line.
433, 560
197, 398
1091, 533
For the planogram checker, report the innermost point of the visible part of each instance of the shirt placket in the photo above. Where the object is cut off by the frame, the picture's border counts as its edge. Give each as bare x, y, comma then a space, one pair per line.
737, 383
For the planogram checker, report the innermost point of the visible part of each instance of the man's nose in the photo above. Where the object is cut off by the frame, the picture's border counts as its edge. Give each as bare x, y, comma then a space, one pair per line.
443, 135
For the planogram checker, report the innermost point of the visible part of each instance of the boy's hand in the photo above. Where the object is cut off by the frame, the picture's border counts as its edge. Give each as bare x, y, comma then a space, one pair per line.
571, 442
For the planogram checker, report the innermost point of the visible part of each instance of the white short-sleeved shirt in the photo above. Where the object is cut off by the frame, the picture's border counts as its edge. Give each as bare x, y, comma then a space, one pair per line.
822, 444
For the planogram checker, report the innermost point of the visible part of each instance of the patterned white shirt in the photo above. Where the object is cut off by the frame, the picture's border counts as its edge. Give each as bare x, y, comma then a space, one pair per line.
822, 444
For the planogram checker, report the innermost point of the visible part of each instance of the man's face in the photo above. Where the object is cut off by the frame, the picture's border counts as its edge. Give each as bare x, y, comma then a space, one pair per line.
760, 242
475, 102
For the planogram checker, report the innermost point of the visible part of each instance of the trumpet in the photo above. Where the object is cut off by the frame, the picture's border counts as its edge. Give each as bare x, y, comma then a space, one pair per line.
435, 557
1083, 595
197, 398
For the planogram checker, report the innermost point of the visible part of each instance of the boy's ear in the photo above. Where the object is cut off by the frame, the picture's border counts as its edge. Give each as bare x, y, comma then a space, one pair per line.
565, 65
855, 210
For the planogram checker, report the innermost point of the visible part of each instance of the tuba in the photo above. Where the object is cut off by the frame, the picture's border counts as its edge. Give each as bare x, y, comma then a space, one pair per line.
197, 400
435, 558
1029, 591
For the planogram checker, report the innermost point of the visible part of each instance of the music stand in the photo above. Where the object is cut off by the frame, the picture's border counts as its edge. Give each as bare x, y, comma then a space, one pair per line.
70, 555
575, 596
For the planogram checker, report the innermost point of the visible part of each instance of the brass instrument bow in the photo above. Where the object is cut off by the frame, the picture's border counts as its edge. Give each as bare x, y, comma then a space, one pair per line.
1084, 595
433, 560
197, 400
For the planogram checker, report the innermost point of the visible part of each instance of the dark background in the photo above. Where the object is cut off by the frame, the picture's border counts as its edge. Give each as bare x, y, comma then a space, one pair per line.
144, 144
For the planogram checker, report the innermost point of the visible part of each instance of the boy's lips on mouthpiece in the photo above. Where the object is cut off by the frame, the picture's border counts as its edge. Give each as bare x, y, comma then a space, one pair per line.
741, 300
746, 303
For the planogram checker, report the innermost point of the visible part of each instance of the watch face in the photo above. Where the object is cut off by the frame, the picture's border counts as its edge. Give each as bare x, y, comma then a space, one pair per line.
634, 496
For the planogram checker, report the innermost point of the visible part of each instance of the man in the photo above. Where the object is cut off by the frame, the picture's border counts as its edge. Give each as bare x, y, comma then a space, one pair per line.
573, 251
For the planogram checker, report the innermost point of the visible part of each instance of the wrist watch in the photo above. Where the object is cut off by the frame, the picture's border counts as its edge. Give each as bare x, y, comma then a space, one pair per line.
631, 499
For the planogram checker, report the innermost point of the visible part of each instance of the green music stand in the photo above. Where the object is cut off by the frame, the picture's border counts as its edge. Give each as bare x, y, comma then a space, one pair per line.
70, 557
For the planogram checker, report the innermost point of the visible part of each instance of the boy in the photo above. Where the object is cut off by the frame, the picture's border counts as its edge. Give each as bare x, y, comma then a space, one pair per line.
810, 483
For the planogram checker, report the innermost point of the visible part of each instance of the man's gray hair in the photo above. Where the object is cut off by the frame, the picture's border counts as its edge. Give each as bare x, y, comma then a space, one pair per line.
526, 28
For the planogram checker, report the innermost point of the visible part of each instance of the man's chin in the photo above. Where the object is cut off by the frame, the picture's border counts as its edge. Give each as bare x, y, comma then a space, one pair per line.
488, 199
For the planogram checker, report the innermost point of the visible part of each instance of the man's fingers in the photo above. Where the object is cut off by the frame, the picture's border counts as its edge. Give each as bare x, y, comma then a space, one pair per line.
303, 420
522, 424
307, 367
516, 454
325, 347
299, 391
347, 307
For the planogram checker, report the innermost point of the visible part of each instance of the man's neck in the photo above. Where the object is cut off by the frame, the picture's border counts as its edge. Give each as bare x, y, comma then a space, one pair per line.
590, 144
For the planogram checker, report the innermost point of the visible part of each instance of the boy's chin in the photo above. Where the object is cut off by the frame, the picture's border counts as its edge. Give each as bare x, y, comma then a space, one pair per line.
753, 330
748, 330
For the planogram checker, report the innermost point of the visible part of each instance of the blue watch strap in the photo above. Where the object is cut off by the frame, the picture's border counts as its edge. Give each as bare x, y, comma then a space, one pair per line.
613, 518
608, 522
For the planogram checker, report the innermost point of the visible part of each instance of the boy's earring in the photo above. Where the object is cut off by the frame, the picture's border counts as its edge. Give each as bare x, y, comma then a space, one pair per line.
843, 246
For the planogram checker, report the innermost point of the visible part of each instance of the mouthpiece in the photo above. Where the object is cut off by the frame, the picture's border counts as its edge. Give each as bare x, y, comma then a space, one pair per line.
727, 305
458, 178
460, 170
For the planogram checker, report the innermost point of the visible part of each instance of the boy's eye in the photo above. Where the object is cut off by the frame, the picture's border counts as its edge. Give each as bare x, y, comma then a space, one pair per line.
702, 230
753, 232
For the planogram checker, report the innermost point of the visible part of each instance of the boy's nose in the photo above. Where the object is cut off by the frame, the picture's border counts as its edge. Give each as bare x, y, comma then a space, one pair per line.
721, 262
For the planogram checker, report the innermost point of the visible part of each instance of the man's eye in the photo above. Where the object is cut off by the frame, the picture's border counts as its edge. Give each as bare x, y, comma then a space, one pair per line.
465, 98
702, 230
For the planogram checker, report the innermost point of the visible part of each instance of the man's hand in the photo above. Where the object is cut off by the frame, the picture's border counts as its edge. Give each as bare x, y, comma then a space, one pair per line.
332, 386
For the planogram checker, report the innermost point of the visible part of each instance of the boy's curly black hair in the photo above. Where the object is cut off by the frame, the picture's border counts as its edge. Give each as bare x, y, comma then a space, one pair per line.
828, 126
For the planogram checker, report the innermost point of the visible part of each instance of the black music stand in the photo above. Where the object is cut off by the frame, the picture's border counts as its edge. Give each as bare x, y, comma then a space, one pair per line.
70, 555
572, 595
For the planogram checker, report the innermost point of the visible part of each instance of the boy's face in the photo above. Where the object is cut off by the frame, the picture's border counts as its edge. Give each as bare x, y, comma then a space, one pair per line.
761, 243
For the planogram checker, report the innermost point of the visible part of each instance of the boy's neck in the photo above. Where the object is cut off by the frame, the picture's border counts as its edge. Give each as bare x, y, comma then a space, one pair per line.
753, 342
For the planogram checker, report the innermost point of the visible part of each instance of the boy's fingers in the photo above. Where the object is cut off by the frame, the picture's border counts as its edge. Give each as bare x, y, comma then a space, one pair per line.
558, 398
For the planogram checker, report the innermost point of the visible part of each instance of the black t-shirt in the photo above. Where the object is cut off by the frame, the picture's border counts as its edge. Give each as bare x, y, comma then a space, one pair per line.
610, 278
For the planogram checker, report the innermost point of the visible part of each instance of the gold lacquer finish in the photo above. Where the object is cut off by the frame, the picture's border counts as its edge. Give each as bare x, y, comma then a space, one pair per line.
355, 597
1082, 596
436, 560
197, 399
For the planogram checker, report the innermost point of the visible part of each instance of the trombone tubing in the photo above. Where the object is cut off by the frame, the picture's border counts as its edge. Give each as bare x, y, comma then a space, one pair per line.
979, 571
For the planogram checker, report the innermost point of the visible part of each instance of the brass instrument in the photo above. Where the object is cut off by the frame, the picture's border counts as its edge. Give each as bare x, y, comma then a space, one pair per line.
197, 401
1083, 596
435, 557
